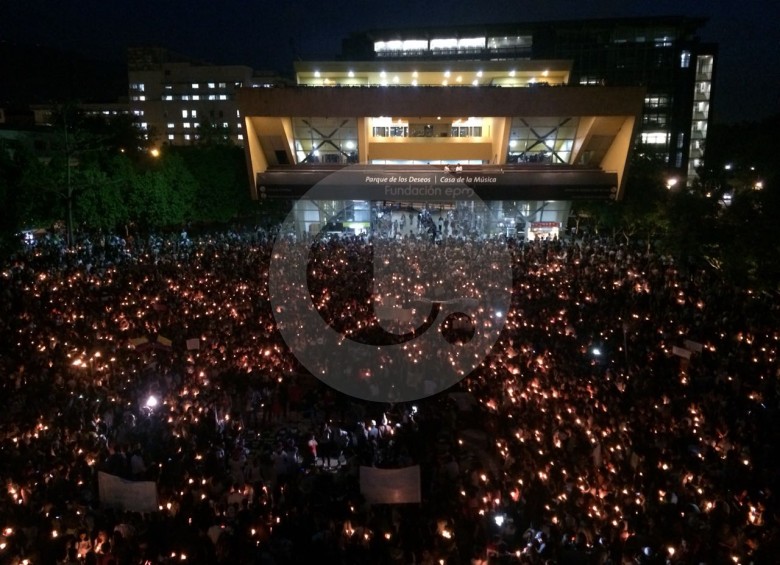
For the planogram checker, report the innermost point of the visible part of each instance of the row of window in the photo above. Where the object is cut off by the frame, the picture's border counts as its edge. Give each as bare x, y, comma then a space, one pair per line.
452, 45
187, 97
188, 125
426, 131
141, 87
193, 137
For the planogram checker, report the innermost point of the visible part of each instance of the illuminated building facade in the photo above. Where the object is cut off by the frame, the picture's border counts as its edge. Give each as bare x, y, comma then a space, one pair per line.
177, 99
401, 133
661, 54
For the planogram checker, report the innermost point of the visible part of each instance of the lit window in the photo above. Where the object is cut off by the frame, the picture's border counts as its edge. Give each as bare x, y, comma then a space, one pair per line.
223, 96
238, 114
212, 85
222, 85
194, 114
240, 137
171, 125
238, 125
186, 125
186, 137
168, 87
212, 96
450, 43
655, 137
170, 136
168, 97
195, 85
185, 96
196, 97
224, 124
196, 125
144, 125
185, 113
685, 59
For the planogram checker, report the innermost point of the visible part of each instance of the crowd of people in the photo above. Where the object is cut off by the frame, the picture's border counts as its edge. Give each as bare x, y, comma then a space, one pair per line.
625, 414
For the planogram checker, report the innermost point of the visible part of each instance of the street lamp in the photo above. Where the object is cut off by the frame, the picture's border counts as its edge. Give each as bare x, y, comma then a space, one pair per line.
671, 183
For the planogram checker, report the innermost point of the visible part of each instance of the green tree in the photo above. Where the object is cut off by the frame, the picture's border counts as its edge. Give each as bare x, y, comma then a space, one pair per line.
163, 196
210, 133
101, 206
641, 212
222, 186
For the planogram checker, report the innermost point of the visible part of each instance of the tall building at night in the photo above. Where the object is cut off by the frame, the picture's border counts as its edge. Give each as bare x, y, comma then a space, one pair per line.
662, 54
382, 138
177, 99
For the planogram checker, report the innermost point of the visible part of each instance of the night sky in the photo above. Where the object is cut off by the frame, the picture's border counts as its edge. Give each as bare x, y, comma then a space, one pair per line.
268, 35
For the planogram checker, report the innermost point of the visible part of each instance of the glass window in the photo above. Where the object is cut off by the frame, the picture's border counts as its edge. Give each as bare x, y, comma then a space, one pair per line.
186, 125
171, 125
195, 85
185, 113
445, 44
655, 137
212, 85
685, 59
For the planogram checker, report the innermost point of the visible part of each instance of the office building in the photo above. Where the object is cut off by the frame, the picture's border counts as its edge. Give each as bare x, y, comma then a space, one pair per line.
378, 140
662, 54
177, 100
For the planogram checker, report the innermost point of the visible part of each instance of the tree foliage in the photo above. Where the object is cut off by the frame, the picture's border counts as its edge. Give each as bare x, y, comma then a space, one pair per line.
727, 219
103, 171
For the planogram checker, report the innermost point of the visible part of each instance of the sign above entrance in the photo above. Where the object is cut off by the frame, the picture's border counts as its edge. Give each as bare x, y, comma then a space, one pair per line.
374, 183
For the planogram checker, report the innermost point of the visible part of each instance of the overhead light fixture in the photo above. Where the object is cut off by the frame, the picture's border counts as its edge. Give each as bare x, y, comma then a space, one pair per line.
475, 82
447, 74
459, 79
414, 82
317, 74
351, 74
479, 73
512, 73
414, 74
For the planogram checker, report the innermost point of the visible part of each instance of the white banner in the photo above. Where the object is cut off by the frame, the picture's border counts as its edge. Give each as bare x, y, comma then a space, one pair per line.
681, 352
130, 496
390, 486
